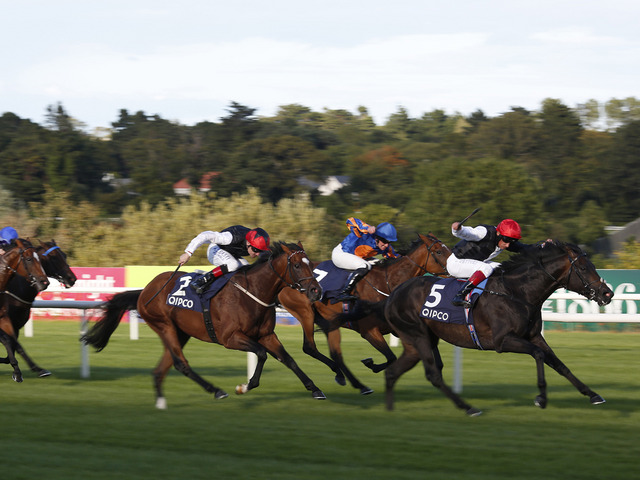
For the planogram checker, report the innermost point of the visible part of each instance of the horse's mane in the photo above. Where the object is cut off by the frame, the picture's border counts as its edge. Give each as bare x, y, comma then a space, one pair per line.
540, 252
386, 262
274, 250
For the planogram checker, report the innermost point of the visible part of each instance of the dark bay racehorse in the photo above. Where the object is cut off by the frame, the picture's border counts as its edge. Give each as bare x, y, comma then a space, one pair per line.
427, 254
19, 259
507, 317
242, 313
20, 294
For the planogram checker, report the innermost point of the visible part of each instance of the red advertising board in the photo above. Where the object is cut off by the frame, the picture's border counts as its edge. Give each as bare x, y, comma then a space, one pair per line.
93, 284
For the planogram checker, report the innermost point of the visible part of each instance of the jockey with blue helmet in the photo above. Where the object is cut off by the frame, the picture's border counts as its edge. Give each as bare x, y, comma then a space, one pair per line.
7, 234
226, 249
357, 251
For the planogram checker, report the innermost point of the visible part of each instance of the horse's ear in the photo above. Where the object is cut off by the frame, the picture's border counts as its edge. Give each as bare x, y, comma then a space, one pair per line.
300, 245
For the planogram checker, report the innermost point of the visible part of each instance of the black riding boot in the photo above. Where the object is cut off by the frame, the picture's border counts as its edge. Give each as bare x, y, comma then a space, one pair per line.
345, 294
459, 300
200, 284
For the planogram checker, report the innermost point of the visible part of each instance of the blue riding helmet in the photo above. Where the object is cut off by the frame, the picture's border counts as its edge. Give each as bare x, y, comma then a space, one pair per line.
387, 232
8, 234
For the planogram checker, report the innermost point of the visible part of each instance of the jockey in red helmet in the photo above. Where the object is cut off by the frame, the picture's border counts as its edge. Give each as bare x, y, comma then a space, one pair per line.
226, 249
471, 257
357, 250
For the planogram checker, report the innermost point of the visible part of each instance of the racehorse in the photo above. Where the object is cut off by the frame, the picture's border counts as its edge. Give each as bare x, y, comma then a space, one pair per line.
19, 259
507, 317
20, 294
426, 254
242, 316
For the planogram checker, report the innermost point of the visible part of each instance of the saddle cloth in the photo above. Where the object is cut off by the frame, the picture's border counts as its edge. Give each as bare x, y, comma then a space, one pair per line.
183, 296
331, 278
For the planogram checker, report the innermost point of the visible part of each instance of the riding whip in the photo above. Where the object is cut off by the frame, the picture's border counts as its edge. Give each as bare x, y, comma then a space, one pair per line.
469, 216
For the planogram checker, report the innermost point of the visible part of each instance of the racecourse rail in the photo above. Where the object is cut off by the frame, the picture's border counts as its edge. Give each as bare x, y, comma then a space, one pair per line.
590, 313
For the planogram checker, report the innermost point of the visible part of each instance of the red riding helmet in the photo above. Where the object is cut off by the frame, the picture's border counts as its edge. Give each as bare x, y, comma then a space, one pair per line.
258, 239
509, 228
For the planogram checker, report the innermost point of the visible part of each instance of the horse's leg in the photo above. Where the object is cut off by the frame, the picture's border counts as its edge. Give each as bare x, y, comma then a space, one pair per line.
298, 305
551, 359
273, 345
173, 341
376, 339
32, 365
514, 344
9, 343
407, 360
434, 375
333, 338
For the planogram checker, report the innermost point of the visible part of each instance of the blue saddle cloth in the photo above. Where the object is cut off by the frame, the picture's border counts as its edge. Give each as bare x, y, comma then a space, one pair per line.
331, 278
183, 296
438, 307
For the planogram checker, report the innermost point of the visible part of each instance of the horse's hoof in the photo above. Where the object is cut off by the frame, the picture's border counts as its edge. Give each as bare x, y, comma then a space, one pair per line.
220, 394
318, 395
161, 403
17, 378
597, 400
340, 380
366, 391
540, 401
241, 389
368, 362
44, 373
474, 412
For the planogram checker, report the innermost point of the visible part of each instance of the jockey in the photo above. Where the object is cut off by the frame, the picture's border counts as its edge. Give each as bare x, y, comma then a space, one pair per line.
357, 250
470, 257
226, 249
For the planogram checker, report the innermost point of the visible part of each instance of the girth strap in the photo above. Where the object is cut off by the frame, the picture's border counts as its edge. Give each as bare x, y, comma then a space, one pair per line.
208, 323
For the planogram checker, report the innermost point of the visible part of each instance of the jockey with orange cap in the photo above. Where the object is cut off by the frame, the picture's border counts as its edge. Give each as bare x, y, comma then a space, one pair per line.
357, 250
470, 257
226, 249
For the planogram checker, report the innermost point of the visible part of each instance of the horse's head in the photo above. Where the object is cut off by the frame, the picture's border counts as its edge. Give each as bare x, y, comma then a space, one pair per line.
297, 272
21, 258
54, 262
583, 278
437, 254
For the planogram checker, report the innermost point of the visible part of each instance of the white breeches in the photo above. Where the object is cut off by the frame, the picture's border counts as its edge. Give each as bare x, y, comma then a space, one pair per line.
218, 256
465, 267
348, 261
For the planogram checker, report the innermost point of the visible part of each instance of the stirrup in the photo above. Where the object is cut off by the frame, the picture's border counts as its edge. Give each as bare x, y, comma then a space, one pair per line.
460, 301
345, 296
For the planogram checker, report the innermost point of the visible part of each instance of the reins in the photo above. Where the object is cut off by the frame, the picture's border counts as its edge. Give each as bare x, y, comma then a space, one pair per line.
296, 286
165, 284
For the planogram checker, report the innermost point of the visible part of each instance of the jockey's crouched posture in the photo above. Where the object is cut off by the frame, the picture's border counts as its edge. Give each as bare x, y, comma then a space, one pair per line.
226, 249
358, 248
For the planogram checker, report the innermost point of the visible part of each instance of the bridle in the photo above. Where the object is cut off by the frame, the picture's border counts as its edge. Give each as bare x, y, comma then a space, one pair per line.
588, 291
297, 284
28, 261
56, 273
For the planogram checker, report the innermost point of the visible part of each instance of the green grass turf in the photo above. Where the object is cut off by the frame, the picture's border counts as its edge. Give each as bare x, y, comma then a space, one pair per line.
104, 427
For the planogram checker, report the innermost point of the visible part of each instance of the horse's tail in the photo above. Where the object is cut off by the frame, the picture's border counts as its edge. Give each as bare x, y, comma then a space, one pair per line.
99, 335
361, 309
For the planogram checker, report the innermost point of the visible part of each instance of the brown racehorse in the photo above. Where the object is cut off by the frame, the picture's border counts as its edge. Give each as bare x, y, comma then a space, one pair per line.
507, 317
243, 317
427, 254
19, 259
20, 294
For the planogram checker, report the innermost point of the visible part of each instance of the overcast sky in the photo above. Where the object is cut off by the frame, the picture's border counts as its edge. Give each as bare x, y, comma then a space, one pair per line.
187, 60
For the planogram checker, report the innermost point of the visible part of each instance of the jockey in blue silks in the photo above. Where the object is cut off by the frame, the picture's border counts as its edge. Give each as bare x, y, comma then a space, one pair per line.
357, 250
